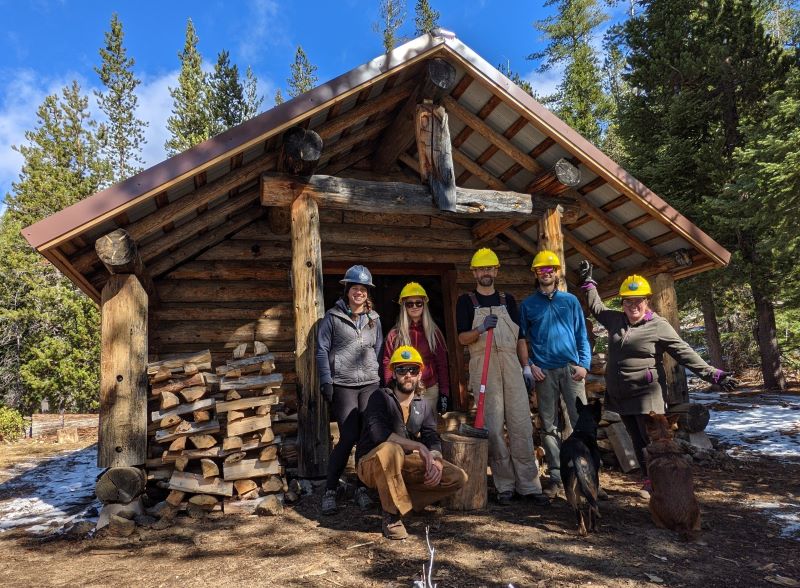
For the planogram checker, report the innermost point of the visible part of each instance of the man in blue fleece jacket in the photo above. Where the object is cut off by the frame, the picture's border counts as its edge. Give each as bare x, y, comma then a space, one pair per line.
553, 323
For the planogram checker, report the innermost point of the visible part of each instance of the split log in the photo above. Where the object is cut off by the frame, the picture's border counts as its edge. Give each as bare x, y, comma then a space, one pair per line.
269, 453
175, 498
250, 361
175, 386
183, 408
232, 395
201, 416
250, 468
471, 455
235, 415
264, 409
251, 382
273, 484
244, 486
268, 436
204, 501
193, 394
171, 456
210, 469
203, 441
260, 348
161, 375
231, 444
248, 425
176, 364
170, 421
122, 434
168, 401
190, 429
120, 484
196, 483
245, 403
234, 457
240, 351
434, 151
178, 444
181, 462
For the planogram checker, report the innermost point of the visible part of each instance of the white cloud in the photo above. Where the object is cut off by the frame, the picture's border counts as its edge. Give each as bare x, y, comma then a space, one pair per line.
155, 105
265, 27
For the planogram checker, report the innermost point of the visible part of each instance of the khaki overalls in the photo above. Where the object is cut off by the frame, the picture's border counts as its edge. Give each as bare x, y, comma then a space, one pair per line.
506, 402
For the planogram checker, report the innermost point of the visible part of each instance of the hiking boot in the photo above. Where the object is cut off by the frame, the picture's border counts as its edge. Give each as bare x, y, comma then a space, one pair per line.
647, 489
362, 499
504, 498
329, 503
536, 499
553, 489
393, 527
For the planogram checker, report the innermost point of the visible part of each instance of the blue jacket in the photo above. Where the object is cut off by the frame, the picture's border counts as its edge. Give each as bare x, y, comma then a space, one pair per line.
555, 329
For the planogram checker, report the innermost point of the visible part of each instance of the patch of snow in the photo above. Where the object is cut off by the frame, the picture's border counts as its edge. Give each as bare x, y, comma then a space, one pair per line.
53, 493
787, 515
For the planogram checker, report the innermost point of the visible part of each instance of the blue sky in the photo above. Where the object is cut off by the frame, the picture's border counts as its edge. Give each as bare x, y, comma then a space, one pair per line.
44, 44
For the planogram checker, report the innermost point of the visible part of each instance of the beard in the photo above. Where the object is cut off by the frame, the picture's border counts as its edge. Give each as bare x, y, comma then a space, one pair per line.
407, 386
486, 281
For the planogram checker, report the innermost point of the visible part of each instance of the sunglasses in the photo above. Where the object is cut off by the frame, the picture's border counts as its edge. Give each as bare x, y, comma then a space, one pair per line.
414, 303
402, 370
545, 270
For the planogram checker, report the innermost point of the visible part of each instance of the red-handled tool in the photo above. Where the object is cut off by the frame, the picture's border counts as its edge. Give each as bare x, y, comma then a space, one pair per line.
479, 430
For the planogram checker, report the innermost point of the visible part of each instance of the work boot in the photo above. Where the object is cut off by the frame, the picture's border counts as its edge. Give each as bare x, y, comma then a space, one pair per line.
393, 527
504, 498
362, 499
554, 488
329, 503
536, 499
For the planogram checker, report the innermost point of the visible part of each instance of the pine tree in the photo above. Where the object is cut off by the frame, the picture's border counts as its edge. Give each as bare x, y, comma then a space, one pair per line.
123, 132
580, 100
49, 344
190, 122
278, 99
252, 101
391, 15
303, 77
425, 18
226, 102
505, 69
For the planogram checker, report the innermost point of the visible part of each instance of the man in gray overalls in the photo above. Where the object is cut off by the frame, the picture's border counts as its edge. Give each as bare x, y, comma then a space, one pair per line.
514, 465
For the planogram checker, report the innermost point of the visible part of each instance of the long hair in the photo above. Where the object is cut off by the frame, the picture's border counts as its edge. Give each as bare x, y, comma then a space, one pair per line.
433, 335
367, 304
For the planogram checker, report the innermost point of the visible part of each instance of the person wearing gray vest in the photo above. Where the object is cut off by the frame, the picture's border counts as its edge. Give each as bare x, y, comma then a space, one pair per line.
349, 343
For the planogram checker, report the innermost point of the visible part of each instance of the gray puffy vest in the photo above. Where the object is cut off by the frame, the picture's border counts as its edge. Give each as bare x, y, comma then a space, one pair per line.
352, 356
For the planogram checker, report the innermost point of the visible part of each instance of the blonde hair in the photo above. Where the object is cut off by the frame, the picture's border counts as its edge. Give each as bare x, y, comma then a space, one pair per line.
433, 334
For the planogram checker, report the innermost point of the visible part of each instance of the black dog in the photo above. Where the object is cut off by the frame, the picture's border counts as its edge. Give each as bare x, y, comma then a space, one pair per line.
580, 464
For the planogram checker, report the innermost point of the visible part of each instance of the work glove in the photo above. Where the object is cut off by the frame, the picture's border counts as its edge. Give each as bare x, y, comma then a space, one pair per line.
585, 272
725, 380
441, 404
527, 375
490, 322
327, 392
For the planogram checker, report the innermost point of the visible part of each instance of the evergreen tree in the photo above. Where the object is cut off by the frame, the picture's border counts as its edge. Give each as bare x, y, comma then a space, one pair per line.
190, 122
505, 69
425, 18
391, 15
278, 99
226, 101
123, 132
579, 100
49, 343
252, 101
303, 76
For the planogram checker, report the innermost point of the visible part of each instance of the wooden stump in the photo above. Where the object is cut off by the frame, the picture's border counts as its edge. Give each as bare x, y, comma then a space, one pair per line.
69, 435
121, 484
471, 455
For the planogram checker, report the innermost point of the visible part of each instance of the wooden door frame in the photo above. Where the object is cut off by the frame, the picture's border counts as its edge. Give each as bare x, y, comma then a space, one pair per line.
449, 277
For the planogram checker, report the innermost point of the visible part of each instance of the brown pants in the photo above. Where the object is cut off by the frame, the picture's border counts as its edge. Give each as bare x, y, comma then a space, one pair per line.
399, 478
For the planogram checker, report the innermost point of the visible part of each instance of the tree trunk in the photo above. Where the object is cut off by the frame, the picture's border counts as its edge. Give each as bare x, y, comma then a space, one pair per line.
712, 328
665, 302
767, 338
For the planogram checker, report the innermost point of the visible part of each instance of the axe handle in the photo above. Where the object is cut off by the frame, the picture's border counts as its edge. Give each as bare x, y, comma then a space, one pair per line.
484, 377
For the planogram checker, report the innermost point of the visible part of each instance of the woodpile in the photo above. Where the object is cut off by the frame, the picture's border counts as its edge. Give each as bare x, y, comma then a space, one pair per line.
212, 441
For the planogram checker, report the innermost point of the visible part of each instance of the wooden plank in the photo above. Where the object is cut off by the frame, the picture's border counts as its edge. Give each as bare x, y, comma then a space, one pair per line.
157, 415
249, 425
244, 403
434, 153
231, 270
186, 429
175, 332
219, 291
178, 361
392, 197
477, 170
196, 483
251, 382
250, 468
617, 229
248, 361
122, 434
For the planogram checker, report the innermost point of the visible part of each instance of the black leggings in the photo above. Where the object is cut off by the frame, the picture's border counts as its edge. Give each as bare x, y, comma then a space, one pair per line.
348, 405
635, 424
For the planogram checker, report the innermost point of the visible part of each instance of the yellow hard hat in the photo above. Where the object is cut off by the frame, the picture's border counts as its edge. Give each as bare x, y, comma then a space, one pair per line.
484, 258
635, 286
405, 354
545, 258
413, 289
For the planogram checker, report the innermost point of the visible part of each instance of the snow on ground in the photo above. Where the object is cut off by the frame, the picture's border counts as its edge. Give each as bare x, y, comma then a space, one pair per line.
42, 496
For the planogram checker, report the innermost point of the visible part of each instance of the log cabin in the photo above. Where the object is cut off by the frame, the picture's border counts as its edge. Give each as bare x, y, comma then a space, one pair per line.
406, 164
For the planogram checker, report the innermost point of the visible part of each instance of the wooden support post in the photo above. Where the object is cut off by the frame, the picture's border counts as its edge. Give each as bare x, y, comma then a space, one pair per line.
665, 302
313, 431
435, 155
552, 239
122, 437
119, 254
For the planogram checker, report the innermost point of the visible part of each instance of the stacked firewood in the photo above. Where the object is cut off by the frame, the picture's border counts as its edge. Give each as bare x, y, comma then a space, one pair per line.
214, 432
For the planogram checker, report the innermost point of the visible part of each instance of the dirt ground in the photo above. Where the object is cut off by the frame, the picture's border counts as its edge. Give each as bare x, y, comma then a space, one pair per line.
520, 545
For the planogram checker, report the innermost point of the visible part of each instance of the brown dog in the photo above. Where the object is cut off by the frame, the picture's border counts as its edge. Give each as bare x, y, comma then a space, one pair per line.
672, 501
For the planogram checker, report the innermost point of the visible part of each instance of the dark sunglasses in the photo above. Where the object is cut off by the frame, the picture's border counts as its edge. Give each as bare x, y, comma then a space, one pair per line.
402, 370
545, 270
414, 303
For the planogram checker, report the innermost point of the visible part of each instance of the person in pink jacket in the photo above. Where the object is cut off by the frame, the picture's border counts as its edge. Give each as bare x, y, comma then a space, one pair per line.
415, 327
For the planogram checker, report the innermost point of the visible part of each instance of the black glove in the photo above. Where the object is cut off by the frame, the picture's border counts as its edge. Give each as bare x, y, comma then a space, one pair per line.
327, 392
585, 271
727, 382
490, 322
441, 404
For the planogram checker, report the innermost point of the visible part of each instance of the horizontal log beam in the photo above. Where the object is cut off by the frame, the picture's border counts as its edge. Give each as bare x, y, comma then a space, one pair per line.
681, 258
345, 194
587, 252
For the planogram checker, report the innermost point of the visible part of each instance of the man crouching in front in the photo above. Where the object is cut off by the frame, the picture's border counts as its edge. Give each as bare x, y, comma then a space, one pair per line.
399, 452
